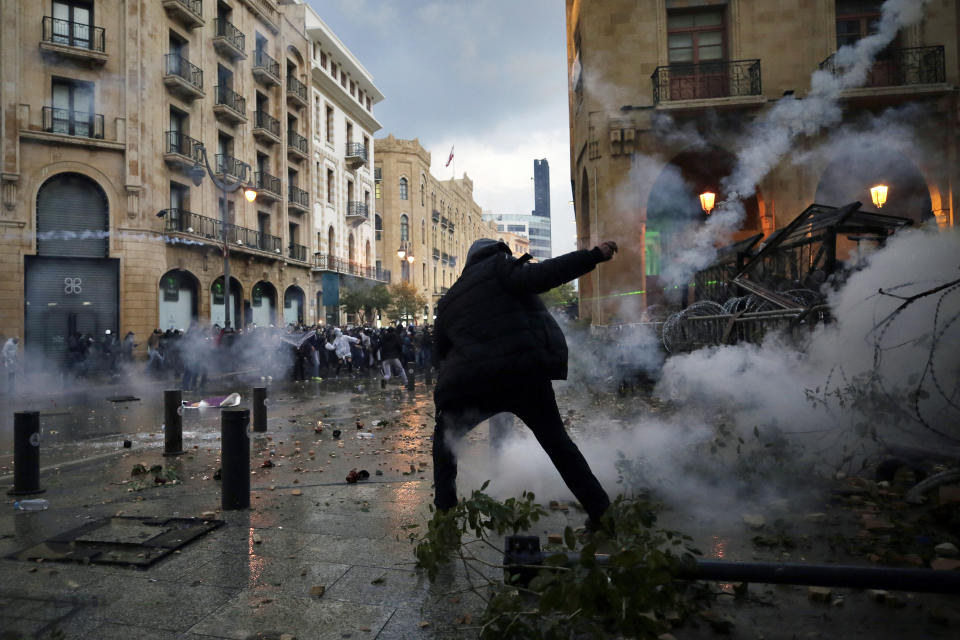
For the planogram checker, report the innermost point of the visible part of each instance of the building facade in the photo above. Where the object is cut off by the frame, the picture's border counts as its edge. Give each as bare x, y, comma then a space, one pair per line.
108, 106
665, 96
435, 221
342, 96
535, 228
541, 188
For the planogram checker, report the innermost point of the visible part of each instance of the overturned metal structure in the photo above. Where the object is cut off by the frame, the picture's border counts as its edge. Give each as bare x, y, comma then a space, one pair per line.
754, 288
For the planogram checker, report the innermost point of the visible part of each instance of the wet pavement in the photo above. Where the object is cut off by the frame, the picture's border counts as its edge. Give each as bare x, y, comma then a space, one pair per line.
307, 528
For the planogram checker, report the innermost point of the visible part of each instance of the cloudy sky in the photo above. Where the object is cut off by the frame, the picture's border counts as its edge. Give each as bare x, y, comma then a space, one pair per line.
486, 76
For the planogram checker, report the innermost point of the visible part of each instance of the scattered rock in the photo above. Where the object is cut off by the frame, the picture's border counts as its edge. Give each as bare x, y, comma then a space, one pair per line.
871, 522
208, 515
946, 550
877, 595
754, 521
815, 517
296, 492
820, 594
257, 539
318, 591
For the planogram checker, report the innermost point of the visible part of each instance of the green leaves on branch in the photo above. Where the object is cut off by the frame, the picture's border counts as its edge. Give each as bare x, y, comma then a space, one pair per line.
633, 595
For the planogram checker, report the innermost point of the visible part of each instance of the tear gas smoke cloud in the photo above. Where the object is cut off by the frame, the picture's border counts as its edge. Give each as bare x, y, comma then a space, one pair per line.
772, 135
765, 387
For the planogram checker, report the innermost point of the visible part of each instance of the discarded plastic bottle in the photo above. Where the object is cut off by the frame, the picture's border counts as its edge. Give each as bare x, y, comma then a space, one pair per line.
37, 504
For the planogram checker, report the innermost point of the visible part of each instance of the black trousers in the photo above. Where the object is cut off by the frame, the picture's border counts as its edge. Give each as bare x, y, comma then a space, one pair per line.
535, 404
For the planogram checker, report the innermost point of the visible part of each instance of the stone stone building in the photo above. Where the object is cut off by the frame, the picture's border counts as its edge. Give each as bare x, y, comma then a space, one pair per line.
666, 96
433, 220
106, 105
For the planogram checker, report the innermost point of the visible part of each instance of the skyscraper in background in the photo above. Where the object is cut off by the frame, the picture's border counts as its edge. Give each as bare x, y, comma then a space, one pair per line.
541, 188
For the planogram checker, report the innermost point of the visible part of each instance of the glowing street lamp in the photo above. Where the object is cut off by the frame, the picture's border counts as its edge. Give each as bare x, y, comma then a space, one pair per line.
707, 199
250, 193
879, 195
410, 258
402, 252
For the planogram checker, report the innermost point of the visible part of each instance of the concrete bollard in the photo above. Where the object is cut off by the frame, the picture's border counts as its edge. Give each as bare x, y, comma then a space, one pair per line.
26, 454
259, 409
172, 422
411, 379
235, 458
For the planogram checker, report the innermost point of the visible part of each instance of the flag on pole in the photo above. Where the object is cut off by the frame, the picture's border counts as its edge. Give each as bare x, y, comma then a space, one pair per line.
450, 159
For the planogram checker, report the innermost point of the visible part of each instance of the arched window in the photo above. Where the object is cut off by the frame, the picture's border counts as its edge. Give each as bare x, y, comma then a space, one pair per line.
366, 255
423, 193
331, 241
404, 228
423, 231
378, 226
403, 189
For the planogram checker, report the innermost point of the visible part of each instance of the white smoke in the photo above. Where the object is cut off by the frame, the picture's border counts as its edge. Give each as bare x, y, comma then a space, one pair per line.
773, 134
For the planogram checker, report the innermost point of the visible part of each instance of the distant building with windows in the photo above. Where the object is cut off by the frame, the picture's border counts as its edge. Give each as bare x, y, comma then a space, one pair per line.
541, 188
434, 221
536, 228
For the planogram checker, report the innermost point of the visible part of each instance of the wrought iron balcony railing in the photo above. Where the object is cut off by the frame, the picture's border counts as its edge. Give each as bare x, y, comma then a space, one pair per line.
228, 165
356, 151
74, 34
178, 142
69, 122
899, 67
181, 67
358, 210
262, 60
253, 239
296, 88
230, 98
193, 224
327, 262
263, 120
194, 6
297, 252
704, 80
297, 141
267, 182
298, 196
225, 29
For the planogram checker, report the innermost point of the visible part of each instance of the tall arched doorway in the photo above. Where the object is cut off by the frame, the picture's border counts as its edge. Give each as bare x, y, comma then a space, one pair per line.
293, 300
178, 300
331, 243
263, 301
71, 285
850, 175
217, 302
673, 211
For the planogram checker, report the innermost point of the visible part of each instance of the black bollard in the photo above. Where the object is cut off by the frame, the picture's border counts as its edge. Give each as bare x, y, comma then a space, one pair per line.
428, 376
411, 379
259, 409
26, 454
172, 422
235, 458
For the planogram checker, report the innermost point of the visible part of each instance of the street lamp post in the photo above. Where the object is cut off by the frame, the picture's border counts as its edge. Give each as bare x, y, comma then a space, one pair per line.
243, 181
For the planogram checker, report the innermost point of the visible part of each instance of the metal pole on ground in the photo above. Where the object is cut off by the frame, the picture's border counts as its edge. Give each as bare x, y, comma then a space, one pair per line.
235, 458
411, 379
26, 454
173, 422
259, 409
428, 375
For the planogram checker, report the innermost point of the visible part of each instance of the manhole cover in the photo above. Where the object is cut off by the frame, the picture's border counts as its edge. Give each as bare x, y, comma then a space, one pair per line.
124, 540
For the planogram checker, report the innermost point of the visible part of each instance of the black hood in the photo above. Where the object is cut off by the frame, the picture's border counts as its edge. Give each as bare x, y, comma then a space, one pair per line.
484, 248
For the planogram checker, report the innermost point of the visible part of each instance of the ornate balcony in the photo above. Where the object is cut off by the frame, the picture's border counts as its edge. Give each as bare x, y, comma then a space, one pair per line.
706, 80
230, 106
356, 154
67, 122
74, 40
357, 213
267, 12
901, 67
298, 200
188, 12
179, 222
266, 128
268, 187
180, 151
229, 40
297, 146
327, 262
228, 167
183, 78
266, 69
296, 93
297, 252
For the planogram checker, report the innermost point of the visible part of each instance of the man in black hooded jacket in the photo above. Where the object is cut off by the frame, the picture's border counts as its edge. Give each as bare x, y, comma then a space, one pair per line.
497, 349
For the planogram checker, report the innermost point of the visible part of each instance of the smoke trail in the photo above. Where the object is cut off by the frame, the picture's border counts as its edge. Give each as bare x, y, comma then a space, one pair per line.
772, 135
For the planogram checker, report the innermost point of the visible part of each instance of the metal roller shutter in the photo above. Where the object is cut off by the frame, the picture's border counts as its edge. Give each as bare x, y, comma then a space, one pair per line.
63, 295
72, 218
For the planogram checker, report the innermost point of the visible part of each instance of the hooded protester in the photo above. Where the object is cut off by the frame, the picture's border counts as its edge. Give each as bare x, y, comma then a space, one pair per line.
497, 349
341, 347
